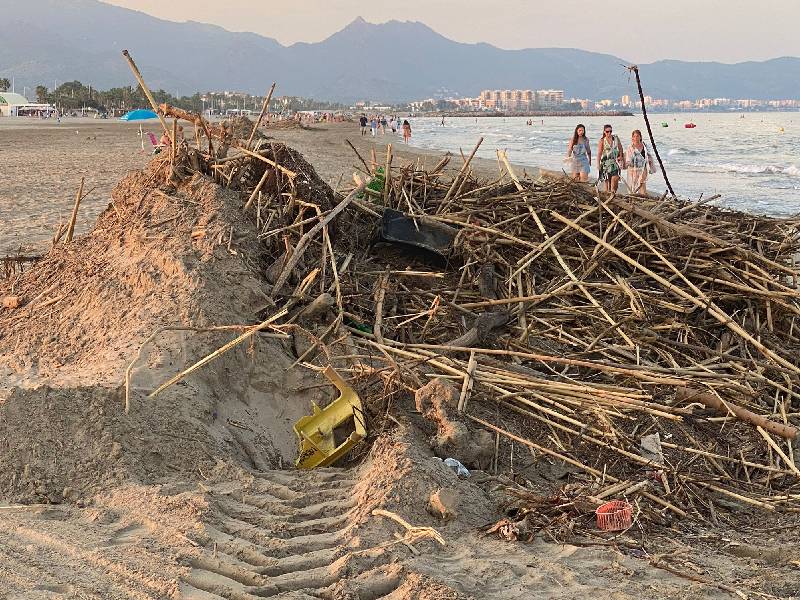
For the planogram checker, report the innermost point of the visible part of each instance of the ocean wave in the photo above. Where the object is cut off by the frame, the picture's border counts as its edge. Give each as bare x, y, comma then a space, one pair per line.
678, 151
792, 170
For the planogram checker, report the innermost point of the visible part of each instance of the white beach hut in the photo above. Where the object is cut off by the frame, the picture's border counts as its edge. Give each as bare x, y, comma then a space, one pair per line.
17, 105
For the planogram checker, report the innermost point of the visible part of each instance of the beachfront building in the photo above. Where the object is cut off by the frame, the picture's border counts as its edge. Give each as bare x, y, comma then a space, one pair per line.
17, 105
520, 100
549, 98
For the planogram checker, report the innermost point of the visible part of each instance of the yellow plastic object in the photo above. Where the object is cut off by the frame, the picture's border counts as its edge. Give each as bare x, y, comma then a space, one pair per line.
331, 432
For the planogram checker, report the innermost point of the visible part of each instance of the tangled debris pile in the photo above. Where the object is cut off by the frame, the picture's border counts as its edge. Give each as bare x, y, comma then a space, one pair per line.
599, 321
648, 343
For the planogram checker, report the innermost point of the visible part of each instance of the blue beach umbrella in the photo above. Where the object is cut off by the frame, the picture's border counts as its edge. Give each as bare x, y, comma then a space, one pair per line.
139, 115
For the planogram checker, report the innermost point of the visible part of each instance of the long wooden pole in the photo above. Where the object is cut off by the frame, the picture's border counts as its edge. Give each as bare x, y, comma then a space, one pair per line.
635, 70
261, 116
688, 394
74, 217
220, 351
145, 89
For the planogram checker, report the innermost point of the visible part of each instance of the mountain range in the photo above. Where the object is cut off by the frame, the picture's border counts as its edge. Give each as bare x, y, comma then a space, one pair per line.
62, 40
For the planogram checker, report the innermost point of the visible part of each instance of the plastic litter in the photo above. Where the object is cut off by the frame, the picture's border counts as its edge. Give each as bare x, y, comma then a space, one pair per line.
457, 467
614, 516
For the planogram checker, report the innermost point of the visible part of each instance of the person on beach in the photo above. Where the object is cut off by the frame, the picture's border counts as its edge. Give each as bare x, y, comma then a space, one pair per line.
640, 162
611, 159
373, 125
580, 153
406, 131
393, 125
363, 121
384, 124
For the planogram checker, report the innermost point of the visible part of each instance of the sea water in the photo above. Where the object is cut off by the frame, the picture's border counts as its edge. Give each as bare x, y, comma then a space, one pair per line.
751, 159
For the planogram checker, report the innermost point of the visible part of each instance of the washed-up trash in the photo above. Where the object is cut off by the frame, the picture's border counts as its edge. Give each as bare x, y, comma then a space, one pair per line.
331, 432
457, 467
417, 232
614, 516
650, 449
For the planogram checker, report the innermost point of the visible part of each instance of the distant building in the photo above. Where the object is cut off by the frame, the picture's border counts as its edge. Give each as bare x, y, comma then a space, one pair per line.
16, 105
549, 98
520, 99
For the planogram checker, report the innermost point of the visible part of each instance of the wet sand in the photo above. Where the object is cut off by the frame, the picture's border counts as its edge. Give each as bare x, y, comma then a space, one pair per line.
43, 163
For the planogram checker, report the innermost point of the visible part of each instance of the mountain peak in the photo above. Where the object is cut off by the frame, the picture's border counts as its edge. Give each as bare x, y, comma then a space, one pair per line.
357, 22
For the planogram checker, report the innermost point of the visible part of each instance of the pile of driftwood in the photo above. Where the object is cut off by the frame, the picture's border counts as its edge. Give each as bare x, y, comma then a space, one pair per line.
651, 345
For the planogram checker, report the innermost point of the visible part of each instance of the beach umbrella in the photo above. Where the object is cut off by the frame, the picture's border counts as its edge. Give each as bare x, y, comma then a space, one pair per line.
138, 115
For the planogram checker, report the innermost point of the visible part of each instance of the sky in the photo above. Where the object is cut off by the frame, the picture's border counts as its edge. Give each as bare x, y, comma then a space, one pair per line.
636, 30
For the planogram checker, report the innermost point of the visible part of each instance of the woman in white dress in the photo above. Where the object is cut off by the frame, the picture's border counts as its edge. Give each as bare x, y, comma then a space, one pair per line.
639, 162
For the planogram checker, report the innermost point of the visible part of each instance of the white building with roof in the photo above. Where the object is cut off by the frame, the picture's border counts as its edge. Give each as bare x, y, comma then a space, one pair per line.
17, 105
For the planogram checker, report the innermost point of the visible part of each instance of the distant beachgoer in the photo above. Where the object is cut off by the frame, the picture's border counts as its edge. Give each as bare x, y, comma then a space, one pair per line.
363, 121
442, 122
393, 125
581, 154
165, 140
611, 159
384, 124
640, 162
373, 125
406, 131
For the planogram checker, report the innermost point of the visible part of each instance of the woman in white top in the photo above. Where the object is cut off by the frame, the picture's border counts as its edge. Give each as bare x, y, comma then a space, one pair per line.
579, 154
639, 162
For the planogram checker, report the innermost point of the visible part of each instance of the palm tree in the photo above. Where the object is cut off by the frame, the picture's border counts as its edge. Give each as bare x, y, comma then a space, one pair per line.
4, 84
41, 94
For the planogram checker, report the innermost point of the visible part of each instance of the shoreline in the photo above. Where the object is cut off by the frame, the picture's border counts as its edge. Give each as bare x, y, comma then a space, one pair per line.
530, 113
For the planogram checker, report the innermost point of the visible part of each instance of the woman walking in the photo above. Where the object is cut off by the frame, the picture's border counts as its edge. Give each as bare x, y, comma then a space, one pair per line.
640, 162
406, 130
611, 159
580, 153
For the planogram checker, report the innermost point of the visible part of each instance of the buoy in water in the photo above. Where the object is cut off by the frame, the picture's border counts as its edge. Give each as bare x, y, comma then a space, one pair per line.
665, 124
690, 125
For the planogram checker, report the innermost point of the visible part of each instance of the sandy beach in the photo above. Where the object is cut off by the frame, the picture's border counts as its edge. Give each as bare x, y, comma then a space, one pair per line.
152, 372
45, 162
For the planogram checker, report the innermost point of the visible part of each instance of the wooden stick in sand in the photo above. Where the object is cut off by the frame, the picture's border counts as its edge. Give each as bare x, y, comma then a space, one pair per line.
217, 353
387, 175
635, 70
145, 89
74, 217
261, 116
361, 158
257, 190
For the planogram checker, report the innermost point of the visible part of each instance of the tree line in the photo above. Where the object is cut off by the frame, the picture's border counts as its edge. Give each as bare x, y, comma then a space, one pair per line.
74, 95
